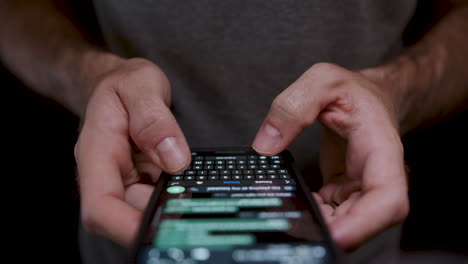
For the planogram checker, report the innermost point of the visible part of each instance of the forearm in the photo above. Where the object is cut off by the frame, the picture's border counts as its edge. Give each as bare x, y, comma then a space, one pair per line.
430, 79
48, 53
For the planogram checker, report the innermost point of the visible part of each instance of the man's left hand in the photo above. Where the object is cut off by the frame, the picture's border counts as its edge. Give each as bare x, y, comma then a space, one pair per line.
365, 188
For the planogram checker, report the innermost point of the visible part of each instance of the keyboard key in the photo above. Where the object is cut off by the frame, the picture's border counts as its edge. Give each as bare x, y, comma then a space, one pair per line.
202, 172
202, 177
213, 177
189, 178
225, 177
225, 172
191, 172
237, 177
260, 177
249, 177
213, 172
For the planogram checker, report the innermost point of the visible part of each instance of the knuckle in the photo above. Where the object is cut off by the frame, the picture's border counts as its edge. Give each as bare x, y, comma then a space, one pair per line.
326, 68
136, 73
76, 150
345, 102
145, 134
89, 222
135, 219
139, 61
290, 110
331, 76
402, 210
400, 205
143, 68
148, 75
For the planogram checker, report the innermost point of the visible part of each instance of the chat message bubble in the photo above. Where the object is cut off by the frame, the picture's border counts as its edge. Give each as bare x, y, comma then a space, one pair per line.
218, 205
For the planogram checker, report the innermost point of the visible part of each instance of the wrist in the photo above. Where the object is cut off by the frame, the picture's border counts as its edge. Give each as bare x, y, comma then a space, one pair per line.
93, 65
391, 82
404, 80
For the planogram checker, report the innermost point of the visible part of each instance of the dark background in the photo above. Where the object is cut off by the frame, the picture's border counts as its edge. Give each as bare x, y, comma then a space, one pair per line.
41, 194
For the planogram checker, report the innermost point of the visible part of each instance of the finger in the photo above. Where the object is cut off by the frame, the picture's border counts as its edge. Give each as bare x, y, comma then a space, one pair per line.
375, 157
103, 160
327, 191
338, 193
294, 109
364, 219
384, 202
343, 191
327, 212
138, 195
146, 168
317, 197
152, 125
325, 209
344, 206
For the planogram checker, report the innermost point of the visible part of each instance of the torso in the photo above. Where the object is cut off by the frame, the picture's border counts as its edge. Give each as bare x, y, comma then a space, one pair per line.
227, 60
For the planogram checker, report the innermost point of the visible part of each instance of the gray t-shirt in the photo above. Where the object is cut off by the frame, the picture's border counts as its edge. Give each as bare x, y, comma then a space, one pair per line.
227, 60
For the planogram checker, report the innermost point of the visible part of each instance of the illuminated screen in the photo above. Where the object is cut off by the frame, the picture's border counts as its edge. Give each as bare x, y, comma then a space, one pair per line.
234, 209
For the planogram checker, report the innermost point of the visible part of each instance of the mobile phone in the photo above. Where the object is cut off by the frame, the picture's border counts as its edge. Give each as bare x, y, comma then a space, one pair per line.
233, 206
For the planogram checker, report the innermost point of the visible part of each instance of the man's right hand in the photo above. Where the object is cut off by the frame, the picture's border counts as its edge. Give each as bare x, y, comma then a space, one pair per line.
128, 110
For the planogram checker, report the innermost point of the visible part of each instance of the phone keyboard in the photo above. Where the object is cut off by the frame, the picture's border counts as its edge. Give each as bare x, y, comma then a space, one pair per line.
243, 169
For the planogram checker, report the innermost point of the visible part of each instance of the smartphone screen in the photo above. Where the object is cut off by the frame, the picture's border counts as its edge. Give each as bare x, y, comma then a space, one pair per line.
233, 207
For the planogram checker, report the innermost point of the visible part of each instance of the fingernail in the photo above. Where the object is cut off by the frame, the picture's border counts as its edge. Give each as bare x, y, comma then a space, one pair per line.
267, 139
171, 155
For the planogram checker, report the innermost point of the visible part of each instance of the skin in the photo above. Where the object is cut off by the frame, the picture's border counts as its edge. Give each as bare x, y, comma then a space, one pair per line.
129, 134
361, 155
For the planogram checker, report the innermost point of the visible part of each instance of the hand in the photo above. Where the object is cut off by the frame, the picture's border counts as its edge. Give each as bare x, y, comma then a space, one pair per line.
361, 152
129, 104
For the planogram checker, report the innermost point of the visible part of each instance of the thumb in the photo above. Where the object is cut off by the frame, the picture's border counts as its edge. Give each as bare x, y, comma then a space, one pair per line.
152, 126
